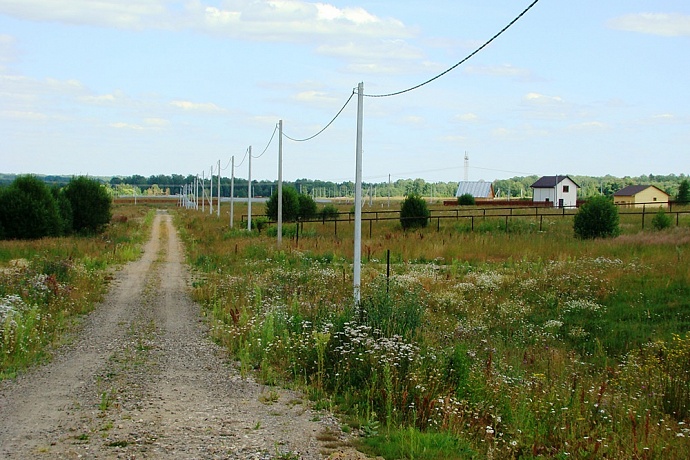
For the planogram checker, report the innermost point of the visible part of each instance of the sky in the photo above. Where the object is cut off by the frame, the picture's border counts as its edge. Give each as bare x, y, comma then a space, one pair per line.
148, 87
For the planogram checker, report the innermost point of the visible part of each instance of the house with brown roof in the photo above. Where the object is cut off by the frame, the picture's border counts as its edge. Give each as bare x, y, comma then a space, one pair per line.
640, 196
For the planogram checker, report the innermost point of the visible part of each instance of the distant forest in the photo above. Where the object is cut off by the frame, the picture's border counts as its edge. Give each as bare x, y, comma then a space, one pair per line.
515, 187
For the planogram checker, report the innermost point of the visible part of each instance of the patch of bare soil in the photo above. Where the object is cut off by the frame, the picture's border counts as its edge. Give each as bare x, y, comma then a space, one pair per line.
143, 381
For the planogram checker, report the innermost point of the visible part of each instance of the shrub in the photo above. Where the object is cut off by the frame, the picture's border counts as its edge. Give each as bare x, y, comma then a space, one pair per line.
661, 220
65, 210
414, 212
597, 218
90, 203
28, 210
307, 207
329, 212
466, 200
290, 205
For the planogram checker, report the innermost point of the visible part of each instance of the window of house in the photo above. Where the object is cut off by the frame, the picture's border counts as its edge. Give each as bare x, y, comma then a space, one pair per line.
566, 188
654, 198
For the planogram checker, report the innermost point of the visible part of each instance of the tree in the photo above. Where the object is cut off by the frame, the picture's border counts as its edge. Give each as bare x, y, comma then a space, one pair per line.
64, 208
91, 204
290, 205
307, 207
466, 200
28, 210
683, 192
661, 220
414, 212
597, 218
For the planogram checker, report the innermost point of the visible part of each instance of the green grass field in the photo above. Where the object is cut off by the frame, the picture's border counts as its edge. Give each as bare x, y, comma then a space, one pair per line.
485, 342
481, 343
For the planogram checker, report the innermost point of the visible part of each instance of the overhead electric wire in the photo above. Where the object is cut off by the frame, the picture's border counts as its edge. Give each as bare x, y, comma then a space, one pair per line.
243, 158
269, 143
325, 127
462, 61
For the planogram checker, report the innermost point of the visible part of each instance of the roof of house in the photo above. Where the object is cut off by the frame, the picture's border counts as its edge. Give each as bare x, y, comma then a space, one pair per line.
478, 189
631, 190
550, 181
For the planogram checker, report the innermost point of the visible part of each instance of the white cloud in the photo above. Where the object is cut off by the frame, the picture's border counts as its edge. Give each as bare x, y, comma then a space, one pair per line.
24, 115
589, 126
537, 98
127, 14
122, 125
413, 120
467, 117
664, 24
312, 96
207, 107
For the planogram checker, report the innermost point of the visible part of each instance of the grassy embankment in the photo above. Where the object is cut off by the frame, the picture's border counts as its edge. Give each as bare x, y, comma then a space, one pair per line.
481, 344
46, 284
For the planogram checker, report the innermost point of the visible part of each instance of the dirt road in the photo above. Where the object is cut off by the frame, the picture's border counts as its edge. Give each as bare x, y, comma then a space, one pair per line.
142, 380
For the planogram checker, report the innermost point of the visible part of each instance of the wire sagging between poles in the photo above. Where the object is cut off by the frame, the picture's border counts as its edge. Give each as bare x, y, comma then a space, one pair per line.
325, 127
269, 143
463, 60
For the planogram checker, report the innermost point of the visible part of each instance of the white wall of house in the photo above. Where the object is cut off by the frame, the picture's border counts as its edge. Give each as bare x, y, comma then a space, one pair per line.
565, 190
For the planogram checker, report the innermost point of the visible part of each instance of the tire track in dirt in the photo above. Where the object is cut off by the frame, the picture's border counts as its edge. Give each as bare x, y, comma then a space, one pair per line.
142, 380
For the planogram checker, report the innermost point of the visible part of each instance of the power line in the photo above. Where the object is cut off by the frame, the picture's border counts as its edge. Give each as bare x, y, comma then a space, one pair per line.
269, 143
243, 158
325, 127
463, 60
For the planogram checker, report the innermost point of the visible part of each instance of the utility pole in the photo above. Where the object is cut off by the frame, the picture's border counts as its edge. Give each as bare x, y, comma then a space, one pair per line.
389, 190
203, 191
357, 259
249, 192
218, 204
210, 193
232, 192
280, 183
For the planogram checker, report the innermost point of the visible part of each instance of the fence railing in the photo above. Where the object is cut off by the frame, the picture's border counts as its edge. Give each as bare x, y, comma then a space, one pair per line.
472, 215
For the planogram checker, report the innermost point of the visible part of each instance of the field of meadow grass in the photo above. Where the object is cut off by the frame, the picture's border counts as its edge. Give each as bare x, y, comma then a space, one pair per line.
46, 284
481, 343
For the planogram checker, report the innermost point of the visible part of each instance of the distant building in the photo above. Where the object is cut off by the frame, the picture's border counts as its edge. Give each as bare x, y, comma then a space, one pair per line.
559, 190
640, 195
480, 190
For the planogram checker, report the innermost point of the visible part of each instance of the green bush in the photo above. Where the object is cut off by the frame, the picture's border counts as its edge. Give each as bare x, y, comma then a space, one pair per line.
661, 220
307, 207
466, 200
65, 210
91, 204
414, 212
290, 205
597, 218
329, 212
28, 210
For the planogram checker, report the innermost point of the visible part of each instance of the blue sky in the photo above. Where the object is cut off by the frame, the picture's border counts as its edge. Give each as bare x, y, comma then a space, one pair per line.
122, 87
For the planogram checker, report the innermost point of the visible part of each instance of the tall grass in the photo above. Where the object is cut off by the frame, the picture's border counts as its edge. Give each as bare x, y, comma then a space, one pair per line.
46, 284
517, 344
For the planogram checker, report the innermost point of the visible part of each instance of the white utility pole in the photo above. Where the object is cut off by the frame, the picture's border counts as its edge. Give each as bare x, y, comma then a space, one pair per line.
203, 191
210, 193
232, 193
196, 193
218, 206
280, 183
357, 259
249, 192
